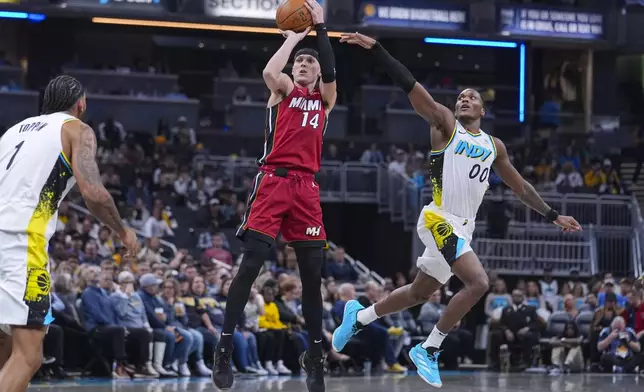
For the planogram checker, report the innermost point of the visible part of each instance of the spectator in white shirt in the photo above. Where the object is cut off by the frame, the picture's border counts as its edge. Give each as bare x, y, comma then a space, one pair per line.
155, 226
182, 184
152, 251
549, 288
569, 180
399, 165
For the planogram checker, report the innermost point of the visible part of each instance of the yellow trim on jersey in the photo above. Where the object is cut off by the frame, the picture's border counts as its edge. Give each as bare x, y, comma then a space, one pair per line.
67, 161
38, 280
493, 145
70, 119
474, 134
447, 145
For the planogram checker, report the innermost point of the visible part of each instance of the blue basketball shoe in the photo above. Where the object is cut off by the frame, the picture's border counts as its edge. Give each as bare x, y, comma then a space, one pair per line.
349, 327
427, 364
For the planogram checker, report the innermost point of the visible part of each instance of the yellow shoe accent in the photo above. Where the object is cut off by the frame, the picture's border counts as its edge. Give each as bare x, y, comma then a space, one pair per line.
396, 368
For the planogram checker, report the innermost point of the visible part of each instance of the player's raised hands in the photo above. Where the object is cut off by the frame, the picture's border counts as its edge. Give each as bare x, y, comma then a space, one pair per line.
288, 34
568, 224
317, 13
358, 39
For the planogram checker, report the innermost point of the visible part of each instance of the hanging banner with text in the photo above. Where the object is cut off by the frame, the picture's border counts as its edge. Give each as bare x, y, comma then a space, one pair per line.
244, 9
552, 23
414, 14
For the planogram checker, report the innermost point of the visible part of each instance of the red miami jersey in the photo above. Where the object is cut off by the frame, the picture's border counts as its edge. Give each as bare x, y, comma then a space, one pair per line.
294, 131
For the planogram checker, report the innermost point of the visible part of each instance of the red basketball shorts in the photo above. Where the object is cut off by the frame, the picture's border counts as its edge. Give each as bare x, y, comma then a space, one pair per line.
287, 202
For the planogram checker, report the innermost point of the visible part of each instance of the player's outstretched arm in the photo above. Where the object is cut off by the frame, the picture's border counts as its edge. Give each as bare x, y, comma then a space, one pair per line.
327, 58
525, 192
276, 80
421, 100
97, 198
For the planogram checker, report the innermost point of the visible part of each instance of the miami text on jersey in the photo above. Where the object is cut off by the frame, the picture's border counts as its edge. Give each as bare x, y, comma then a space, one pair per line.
305, 104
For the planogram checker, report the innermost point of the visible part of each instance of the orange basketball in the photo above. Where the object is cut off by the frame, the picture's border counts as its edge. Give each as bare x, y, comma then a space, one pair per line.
293, 15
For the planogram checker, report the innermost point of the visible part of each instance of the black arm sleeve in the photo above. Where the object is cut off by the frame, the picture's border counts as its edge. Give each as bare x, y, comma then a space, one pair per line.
401, 76
327, 58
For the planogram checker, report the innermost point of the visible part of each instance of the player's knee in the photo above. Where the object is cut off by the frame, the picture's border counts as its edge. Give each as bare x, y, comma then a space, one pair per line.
30, 357
255, 253
480, 285
310, 260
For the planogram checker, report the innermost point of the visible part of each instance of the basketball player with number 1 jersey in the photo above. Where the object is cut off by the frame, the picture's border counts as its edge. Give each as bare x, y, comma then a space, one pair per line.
41, 158
460, 165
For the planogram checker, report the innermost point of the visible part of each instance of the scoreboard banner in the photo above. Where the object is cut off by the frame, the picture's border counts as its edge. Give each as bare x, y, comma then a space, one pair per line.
551, 23
244, 9
128, 6
414, 14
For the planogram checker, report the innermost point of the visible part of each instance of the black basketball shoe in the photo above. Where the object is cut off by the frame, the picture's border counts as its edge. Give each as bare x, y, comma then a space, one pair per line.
222, 372
314, 368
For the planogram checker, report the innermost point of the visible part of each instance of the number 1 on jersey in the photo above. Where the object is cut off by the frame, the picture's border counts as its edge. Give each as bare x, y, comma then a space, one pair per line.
18, 146
314, 120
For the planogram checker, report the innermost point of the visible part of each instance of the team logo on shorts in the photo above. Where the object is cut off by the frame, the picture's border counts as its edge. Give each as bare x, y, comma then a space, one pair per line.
38, 285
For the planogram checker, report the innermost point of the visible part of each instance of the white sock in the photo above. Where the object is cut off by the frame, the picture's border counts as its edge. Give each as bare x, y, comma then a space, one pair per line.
435, 338
367, 316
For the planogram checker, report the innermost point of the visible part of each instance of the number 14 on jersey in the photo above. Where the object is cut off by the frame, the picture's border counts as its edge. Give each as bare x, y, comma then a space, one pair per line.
314, 121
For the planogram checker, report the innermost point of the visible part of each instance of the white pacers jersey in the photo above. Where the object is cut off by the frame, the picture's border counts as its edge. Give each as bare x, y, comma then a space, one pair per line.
459, 172
35, 176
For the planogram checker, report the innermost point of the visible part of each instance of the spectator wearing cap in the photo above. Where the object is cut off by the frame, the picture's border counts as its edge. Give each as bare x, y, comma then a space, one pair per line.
101, 321
178, 341
609, 287
399, 164
130, 313
217, 253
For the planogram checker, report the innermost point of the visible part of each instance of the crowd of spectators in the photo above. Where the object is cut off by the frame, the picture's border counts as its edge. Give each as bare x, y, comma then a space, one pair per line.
572, 326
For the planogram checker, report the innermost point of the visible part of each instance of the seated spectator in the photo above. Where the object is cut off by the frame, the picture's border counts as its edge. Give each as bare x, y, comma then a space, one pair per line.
374, 337
569, 180
101, 321
173, 306
273, 334
602, 319
339, 269
212, 316
609, 287
130, 313
106, 246
457, 343
372, 155
578, 293
549, 289
566, 352
613, 184
569, 306
520, 325
91, 255
218, 251
590, 303
634, 315
252, 311
139, 214
139, 191
533, 297
625, 288
399, 164
178, 341
594, 178
619, 347
156, 226
151, 253
498, 298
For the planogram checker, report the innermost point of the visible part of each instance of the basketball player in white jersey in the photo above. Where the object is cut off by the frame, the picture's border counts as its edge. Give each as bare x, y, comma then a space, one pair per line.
36, 173
461, 160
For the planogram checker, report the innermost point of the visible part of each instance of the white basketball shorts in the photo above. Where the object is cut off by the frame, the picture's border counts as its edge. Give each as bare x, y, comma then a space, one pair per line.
446, 238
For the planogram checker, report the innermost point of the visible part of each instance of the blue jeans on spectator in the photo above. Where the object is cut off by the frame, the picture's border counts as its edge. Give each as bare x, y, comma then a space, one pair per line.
253, 353
302, 339
240, 352
377, 339
210, 341
197, 344
183, 349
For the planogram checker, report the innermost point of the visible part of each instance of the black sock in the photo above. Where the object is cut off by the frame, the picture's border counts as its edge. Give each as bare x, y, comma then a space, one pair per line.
252, 262
310, 261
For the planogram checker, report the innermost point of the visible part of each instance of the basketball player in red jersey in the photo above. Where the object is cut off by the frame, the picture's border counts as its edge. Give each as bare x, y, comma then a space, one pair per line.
285, 197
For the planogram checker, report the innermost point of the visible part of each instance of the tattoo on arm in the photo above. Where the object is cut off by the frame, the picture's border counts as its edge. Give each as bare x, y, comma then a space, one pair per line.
531, 198
97, 198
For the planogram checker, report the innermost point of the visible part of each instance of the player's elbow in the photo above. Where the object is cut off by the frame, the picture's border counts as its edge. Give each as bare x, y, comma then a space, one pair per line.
270, 77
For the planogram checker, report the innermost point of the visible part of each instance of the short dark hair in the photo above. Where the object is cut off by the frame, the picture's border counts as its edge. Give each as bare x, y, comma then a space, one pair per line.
308, 52
61, 94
